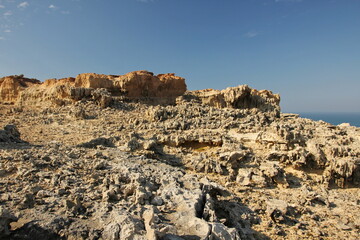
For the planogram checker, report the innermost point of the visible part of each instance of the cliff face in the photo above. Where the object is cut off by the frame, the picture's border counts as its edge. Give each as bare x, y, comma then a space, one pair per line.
143, 84
139, 86
12, 86
93, 80
53, 92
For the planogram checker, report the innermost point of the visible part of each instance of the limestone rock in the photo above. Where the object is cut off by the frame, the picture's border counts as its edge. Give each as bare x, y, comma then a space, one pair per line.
102, 97
12, 86
241, 97
221, 232
148, 216
344, 172
163, 88
143, 85
217, 165
53, 93
93, 80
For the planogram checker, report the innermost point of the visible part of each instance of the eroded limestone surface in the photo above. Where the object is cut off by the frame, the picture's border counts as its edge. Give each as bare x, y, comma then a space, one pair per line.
225, 165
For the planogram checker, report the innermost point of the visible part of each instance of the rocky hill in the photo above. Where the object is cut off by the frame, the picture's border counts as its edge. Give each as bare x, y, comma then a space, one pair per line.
136, 156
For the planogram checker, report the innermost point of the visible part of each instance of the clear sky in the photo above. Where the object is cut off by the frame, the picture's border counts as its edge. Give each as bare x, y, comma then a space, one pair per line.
306, 50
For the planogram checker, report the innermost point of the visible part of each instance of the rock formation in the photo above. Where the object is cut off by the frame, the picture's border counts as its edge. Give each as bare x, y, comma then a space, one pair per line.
139, 85
143, 84
93, 80
12, 86
240, 97
111, 164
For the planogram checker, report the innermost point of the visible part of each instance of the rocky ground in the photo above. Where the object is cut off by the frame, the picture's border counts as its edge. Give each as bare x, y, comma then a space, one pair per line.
185, 171
93, 157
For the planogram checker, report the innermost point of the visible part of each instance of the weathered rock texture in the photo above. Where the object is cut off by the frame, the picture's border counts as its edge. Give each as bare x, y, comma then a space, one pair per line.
52, 92
143, 84
12, 86
240, 97
93, 80
138, 85
227, 168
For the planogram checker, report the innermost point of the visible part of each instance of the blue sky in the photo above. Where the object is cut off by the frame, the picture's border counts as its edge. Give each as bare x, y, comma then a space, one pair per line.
306, 50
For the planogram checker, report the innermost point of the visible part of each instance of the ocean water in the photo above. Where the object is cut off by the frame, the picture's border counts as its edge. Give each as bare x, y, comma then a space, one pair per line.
334, 118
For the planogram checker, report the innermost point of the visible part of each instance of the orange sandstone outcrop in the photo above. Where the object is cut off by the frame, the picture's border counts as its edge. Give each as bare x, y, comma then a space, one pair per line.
138, 85
93, 80
53, 92
143, 84
12, 86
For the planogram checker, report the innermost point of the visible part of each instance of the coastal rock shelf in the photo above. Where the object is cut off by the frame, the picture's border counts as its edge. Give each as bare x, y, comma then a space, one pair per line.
137, 156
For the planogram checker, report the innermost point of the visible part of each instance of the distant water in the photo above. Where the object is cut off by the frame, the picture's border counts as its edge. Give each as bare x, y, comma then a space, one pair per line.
334, 118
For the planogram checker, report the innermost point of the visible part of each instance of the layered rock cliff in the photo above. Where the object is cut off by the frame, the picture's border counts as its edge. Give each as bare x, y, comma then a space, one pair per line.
12, 86
139, 86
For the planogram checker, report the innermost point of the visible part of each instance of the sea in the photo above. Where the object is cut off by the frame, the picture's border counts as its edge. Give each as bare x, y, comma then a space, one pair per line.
334, 118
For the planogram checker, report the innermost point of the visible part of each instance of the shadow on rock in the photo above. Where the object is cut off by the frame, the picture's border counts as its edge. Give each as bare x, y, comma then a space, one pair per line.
32, 231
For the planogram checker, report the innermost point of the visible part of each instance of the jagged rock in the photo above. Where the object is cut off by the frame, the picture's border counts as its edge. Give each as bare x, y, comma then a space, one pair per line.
343, 172
112, 231
108, 167
148, 216
102, 97
273, 172
221, 232
277, 209
121, 226
240, 97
